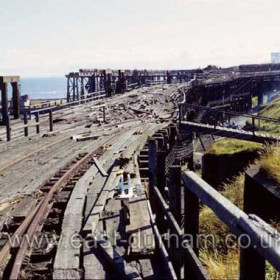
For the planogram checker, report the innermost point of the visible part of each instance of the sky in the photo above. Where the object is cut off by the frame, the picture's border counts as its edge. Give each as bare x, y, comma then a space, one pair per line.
53, 37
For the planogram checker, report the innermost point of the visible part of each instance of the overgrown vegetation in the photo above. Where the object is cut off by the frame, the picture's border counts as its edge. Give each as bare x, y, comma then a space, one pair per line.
232, 146
254, 101
271, 110
222, 262
270, 163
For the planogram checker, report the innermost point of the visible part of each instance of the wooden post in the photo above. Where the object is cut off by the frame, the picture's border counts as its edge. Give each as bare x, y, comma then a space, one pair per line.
180, 113
153, 147
191, 217
160, 140
25, 124
152, 168
161, 178
174, 190
104, 114
16, 109
4, 103
51, 120
252, 264
68, 89
253, 124
215, 121
172, 138
37, 116
8, 129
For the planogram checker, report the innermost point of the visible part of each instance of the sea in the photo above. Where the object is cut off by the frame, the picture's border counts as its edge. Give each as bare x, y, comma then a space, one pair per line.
44, 88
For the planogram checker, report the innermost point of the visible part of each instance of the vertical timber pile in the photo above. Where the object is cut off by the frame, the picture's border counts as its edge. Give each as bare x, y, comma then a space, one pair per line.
169, 217
13, 80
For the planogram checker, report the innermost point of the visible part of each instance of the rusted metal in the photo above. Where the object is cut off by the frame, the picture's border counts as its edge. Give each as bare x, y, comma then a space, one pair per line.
5, 251
35, 221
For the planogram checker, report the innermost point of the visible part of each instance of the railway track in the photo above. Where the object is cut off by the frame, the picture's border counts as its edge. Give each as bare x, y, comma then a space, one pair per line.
17, 256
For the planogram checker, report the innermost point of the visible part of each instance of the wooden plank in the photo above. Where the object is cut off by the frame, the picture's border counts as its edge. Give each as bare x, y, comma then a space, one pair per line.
99, 181
67, 259
109, 253
263, 237
193, 266
146, 269
9, 79
24, 207
140, 227
93, 268
114, 227
167, 265
100, 168
93, 217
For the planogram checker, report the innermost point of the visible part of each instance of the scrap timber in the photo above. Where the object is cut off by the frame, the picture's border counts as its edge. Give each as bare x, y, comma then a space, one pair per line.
97, 187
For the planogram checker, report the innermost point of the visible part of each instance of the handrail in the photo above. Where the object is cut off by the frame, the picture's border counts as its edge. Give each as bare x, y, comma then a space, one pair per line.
238, 221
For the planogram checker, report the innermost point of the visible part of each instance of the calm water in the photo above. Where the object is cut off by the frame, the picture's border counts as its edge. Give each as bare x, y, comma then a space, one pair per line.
44, 88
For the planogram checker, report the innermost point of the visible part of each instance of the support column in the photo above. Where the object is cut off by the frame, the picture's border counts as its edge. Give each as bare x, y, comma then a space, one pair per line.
25, 124
153, 146
104, 81
4, 101
252, 264
78, 89
161, 178
104, 114
191, 222
174, 191
16, 97
68, 89
260, 98
37, 116
8, 129
168, 77
74, 88
51, 120
82, 89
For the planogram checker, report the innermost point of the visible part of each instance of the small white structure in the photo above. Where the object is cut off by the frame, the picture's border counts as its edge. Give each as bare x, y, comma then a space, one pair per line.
275, 57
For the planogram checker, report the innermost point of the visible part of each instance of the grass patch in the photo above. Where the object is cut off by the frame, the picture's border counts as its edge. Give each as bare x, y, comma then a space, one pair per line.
270, 163
270, 110
222, 262
254, 101
221, 266
232, 146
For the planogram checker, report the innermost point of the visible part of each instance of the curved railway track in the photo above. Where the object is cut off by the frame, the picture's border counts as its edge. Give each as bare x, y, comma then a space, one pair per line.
47, 214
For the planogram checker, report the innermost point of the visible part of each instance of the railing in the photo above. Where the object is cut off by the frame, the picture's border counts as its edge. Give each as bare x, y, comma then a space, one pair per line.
28, 112
259, 127
165, 196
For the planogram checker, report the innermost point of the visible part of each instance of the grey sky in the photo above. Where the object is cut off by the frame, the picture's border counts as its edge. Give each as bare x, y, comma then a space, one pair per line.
52, 37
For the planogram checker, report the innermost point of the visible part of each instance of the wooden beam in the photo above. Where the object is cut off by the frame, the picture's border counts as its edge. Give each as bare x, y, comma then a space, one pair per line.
140, 225
193, 267
9, 79
238, 221
174, 191
95, 213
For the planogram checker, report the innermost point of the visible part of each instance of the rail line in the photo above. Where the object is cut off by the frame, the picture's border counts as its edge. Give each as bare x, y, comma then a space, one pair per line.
53, 200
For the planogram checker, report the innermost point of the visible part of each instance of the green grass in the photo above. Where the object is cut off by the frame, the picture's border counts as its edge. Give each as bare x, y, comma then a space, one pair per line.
232, 146
254, 101
222, 262
270, 110
270, 163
